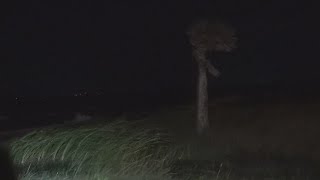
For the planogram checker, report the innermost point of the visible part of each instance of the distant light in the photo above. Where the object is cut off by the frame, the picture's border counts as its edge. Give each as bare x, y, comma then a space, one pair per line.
17, 100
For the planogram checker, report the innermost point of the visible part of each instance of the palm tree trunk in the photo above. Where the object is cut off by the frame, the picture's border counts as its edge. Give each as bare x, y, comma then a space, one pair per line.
202, 99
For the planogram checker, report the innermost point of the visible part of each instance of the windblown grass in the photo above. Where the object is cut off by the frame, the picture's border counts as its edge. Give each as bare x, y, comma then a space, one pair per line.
139, 150
118, 148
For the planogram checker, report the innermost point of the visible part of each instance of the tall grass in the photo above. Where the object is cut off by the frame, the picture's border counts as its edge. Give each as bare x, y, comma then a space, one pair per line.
124, 150
118, 148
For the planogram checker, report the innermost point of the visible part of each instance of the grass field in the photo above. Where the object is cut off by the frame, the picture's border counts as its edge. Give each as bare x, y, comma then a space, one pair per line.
245, 143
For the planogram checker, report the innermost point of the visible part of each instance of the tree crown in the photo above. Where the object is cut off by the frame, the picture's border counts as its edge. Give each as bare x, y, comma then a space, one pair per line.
212, 36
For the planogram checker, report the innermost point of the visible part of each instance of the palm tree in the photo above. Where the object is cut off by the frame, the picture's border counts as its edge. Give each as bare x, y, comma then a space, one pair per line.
206, 37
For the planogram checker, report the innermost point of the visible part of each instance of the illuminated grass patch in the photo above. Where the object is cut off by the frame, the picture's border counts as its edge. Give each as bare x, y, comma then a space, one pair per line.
118, 148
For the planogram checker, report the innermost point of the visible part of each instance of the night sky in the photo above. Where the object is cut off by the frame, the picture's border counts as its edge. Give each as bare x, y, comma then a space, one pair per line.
52, 48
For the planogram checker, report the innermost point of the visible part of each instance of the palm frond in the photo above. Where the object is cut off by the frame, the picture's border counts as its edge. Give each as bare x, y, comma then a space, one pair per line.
212, 36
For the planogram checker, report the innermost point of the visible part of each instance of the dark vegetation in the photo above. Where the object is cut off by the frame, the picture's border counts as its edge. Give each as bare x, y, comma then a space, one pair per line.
7, 171
249, 137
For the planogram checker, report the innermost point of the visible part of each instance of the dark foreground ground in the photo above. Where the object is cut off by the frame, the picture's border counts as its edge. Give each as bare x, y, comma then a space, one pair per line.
250, 135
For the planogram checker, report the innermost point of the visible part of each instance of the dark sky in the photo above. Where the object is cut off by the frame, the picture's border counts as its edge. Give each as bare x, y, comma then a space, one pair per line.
54, 47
